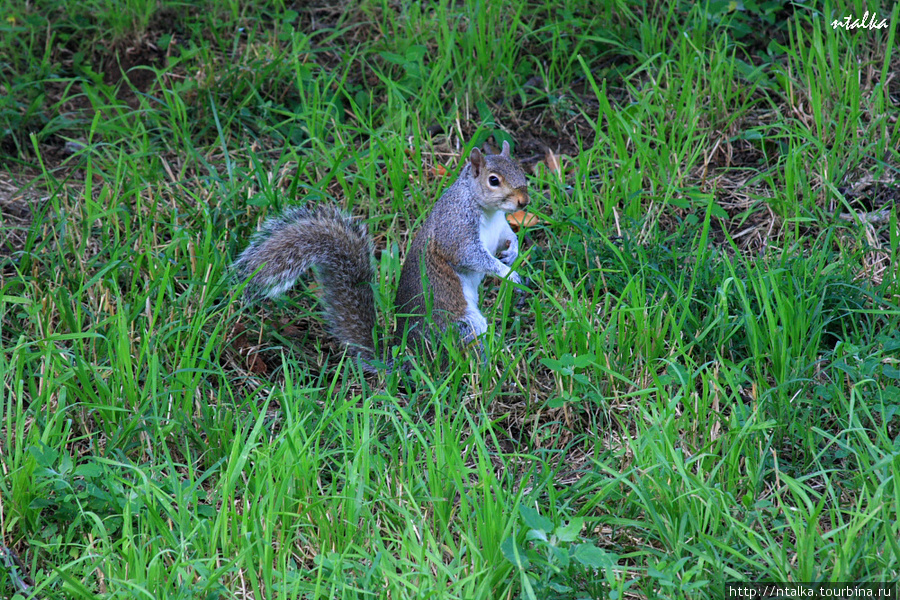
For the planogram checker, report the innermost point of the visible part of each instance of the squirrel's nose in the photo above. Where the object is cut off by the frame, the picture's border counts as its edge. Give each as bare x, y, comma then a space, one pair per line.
522, 199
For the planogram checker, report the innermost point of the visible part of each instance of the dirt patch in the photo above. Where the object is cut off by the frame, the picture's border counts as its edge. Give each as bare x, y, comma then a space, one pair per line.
131, 68
128, 67
872, 197
16, 216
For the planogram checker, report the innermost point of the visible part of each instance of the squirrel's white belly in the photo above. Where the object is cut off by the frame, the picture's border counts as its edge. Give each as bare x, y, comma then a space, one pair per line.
492, 228
490, 232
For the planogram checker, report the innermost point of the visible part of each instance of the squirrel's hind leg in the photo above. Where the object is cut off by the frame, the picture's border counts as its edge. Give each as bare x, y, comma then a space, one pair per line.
470, 338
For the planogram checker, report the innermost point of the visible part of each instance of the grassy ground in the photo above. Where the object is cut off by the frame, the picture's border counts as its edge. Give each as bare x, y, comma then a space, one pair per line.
702, 386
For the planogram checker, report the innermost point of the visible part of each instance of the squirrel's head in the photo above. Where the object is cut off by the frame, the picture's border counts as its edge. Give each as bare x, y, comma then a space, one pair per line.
501, 180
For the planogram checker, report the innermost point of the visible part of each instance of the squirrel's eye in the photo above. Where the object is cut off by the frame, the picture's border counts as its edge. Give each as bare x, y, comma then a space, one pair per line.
494, 181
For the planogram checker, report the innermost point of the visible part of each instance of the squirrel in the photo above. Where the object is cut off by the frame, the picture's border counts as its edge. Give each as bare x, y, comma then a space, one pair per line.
451, 252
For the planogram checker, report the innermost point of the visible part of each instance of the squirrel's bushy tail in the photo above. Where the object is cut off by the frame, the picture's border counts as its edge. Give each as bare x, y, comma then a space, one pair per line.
341, 252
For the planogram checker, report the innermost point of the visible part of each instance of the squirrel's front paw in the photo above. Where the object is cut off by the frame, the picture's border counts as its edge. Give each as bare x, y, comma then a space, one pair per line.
515, 278
508, 256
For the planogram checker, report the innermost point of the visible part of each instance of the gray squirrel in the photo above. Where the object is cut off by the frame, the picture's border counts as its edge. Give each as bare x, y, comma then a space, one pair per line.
452, 251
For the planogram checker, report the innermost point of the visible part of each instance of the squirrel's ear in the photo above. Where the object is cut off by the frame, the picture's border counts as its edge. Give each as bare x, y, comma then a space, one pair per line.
477, 161
505, 152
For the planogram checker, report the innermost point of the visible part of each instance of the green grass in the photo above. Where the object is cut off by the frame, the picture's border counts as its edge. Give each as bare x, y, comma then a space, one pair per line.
700, 387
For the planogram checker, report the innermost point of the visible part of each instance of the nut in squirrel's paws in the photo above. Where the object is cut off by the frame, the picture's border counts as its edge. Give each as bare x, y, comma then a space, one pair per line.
508, 257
